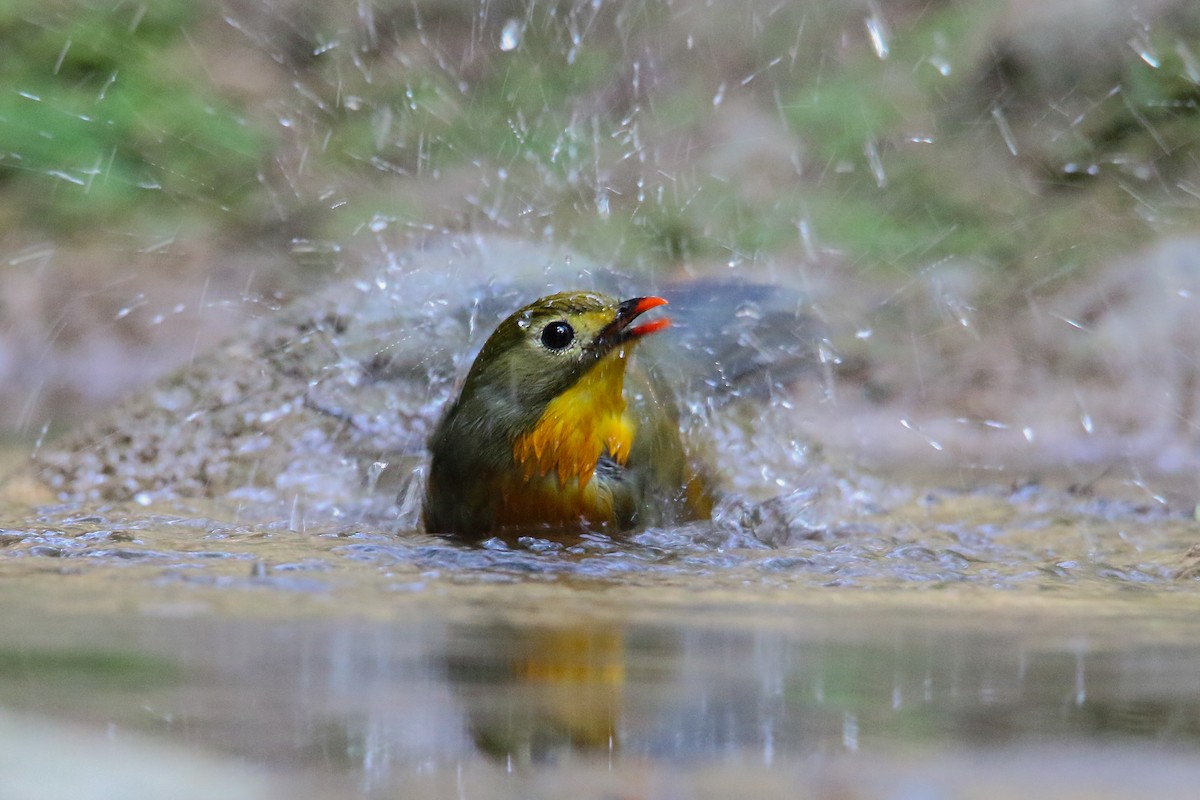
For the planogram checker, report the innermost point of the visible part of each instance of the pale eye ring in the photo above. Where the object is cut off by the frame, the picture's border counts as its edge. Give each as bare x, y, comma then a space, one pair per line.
558, 335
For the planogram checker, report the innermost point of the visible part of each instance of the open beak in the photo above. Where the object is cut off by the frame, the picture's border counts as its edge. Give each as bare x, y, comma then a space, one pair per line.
622, 329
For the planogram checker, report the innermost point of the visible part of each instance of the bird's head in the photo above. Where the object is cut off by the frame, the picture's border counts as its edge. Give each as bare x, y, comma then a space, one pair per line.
546, 348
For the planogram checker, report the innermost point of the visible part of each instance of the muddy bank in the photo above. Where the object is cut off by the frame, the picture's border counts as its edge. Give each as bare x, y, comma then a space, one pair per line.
1089, 378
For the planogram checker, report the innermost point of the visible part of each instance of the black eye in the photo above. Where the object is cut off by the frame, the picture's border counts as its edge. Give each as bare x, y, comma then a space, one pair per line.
557, 335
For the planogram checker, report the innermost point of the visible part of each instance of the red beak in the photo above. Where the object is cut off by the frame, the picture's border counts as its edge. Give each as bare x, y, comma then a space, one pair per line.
631, 309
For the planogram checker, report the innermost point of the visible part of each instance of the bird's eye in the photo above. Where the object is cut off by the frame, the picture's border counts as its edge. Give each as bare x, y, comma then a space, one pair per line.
557, 335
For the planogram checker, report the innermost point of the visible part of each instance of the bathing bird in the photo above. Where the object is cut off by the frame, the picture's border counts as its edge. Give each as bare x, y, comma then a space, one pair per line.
557, 427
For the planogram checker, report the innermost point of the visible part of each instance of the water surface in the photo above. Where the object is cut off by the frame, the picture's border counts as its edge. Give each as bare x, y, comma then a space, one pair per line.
942, 643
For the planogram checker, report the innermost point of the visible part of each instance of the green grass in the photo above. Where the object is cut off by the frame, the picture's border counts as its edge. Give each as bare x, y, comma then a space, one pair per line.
99, 122
588, 131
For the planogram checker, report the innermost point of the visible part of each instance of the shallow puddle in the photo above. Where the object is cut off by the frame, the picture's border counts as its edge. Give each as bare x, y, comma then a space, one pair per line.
477, 690
942, 643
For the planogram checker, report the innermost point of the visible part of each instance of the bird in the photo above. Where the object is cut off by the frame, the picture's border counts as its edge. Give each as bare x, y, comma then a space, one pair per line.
558, 428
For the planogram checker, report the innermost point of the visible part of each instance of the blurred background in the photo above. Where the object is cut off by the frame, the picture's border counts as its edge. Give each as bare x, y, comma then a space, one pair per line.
994, 205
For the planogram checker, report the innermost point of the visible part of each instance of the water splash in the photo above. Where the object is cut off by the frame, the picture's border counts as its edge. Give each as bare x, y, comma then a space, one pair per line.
511, 35
932, 442
875, 161
941, 64
1006, 133
1085, 418
878, 32
1145, 49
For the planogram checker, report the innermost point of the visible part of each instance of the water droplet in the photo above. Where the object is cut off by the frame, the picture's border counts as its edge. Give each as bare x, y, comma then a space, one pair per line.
1073, 323
62, 55
125, 311
1145, 50
934, 443
719, 97
1006, 132
806, 238
510, 35
107, 84
876, 164
54, 173
1085, 418
877, 29
826, 354
373, 473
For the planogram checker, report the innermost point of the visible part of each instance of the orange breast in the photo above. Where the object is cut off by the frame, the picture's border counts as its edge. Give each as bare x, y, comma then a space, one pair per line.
543, 500
554, 462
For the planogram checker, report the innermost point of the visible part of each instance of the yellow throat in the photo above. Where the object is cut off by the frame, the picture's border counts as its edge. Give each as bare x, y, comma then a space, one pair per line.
579, 425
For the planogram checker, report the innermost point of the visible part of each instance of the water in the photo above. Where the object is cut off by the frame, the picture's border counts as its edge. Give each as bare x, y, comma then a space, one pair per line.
465, 687
917, 650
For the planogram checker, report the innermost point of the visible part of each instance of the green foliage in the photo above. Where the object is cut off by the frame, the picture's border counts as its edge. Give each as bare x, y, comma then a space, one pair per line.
101, 121
593, 125
521, 110
992, 185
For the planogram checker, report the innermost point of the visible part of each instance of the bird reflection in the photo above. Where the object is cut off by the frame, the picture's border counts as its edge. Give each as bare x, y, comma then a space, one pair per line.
536, 694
